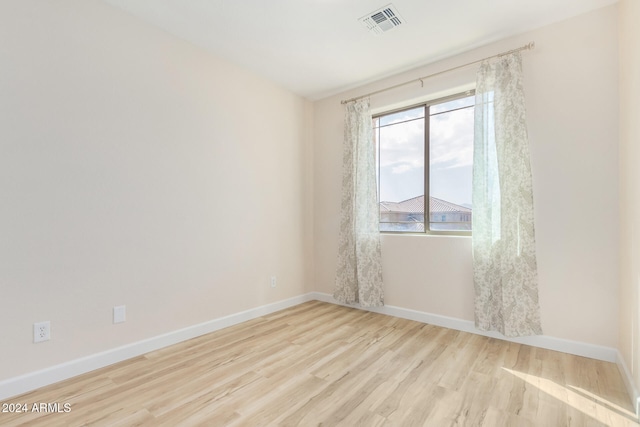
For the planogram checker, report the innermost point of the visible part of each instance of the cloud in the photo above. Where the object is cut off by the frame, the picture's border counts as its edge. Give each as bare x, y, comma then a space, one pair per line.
405, 167
452, 139
451, 143
402, 146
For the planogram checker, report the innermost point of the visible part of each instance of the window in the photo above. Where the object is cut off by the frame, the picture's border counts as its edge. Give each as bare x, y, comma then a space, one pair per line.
438, 134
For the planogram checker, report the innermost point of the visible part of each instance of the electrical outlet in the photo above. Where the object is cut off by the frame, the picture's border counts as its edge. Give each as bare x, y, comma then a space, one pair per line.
41, 331
119, 314
274, 281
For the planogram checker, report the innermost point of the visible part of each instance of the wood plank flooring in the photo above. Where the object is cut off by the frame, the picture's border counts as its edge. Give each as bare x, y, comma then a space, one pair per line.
322, 364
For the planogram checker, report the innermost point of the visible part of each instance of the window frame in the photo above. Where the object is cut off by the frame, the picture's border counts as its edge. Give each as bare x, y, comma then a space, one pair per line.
427, 166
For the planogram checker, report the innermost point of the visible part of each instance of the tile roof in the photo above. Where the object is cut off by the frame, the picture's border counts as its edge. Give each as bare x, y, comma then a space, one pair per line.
416, 205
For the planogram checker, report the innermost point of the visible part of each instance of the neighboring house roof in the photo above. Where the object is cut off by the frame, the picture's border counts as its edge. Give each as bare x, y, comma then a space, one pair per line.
416, 205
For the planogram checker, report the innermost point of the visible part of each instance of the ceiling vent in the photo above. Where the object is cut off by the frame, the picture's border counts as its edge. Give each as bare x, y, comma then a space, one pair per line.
382, 20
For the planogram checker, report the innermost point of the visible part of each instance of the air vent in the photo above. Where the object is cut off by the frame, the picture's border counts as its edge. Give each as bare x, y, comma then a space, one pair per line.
382, 20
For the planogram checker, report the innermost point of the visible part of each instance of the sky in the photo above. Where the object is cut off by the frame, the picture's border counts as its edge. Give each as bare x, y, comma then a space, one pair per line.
451, 153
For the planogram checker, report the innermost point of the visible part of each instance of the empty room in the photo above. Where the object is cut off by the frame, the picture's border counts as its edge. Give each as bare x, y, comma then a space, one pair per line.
319, 212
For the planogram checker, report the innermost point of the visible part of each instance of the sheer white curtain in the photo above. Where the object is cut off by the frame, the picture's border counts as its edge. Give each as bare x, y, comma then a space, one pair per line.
359, 273
504, 257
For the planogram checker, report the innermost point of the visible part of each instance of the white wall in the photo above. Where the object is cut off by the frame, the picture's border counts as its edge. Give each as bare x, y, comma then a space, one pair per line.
629, 13
137, 169
571, 83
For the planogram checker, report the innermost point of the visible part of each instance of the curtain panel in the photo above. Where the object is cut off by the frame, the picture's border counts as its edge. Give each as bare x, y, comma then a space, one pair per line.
359, 272
504, 256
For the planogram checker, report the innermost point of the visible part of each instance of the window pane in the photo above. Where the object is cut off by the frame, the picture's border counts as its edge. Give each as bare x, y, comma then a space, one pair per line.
450, 164
401, 170
402, 116
468, 101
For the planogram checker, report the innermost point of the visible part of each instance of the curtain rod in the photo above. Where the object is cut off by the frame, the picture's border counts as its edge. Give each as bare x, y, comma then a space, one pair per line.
528, 46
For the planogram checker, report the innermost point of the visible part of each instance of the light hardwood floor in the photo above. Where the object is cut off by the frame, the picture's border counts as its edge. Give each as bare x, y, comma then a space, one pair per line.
322, 364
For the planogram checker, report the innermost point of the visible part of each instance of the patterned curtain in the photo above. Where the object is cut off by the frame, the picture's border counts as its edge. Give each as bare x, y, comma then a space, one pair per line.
359, 273
504, 257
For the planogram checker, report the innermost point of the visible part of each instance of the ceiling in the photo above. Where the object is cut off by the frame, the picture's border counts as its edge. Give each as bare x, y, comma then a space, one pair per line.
317, 48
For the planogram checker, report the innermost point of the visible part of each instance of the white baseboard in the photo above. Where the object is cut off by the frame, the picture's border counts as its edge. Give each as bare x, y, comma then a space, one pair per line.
629, 383
551, 343
33, 380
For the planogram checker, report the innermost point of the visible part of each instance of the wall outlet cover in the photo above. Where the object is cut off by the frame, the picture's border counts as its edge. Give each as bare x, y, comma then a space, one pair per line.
119, 314
41, 331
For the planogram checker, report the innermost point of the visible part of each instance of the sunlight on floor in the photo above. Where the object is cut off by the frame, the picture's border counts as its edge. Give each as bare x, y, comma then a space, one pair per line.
584, 401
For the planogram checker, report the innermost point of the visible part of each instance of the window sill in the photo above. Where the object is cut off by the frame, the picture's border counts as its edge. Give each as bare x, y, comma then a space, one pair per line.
451, 234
